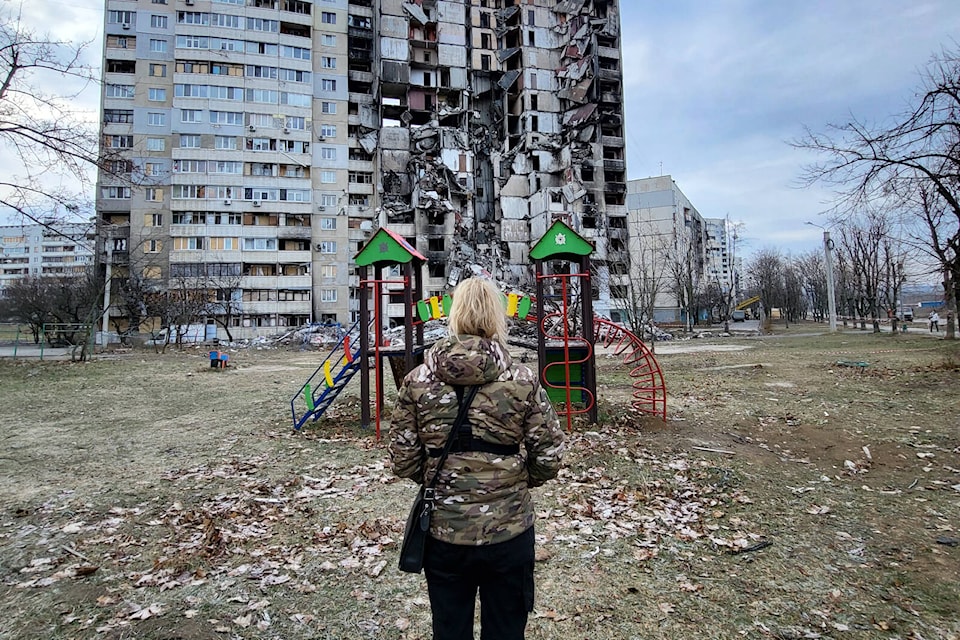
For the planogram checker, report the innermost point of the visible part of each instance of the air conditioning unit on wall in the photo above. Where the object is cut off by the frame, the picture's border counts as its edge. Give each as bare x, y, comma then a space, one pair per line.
256, 203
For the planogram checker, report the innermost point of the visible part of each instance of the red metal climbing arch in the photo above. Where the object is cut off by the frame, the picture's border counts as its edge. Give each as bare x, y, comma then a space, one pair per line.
649, 390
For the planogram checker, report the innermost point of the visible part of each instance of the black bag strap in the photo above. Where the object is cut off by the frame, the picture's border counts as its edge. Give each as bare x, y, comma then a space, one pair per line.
461, 417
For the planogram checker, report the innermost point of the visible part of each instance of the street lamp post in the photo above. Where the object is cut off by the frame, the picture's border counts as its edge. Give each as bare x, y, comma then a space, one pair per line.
828, 259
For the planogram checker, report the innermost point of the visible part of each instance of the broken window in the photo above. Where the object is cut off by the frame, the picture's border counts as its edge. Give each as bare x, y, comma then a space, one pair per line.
435, 244
435, 269
533, 102
485, 62
586, 174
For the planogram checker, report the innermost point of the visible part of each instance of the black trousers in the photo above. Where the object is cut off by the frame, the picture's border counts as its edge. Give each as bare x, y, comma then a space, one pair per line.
502, 573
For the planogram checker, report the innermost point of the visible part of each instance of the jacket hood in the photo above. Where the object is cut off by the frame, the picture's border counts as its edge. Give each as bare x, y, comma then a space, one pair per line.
467, 360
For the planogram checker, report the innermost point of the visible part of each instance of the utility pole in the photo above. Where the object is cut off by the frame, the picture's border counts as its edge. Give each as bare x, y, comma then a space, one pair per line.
828, 263
831, 300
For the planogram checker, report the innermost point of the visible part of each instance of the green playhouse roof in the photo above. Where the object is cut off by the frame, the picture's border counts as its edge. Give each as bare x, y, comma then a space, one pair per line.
387, 247
560, 241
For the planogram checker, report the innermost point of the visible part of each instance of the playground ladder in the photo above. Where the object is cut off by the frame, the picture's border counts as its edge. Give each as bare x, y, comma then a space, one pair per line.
317, 393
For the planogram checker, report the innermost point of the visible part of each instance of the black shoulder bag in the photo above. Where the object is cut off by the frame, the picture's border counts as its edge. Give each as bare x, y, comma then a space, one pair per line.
418, 522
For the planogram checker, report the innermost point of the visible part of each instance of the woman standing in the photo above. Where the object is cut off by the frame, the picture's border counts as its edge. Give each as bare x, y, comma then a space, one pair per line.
481, 534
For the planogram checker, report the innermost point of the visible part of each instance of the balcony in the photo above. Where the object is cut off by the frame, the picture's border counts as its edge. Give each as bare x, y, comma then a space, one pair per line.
276, 306
360, 76
608, 52
614, 165
360, 188
293, 233
615, 142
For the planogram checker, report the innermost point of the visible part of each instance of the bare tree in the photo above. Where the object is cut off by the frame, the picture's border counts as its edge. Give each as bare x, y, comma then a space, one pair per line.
912, 165
41, 130
813, 279
765, 275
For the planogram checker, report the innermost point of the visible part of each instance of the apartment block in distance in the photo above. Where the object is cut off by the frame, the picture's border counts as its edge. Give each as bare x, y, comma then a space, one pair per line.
51, 249
261, 142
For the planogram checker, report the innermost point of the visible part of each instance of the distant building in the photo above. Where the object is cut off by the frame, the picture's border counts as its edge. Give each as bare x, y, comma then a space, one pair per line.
670, 241
263, 142
52, 249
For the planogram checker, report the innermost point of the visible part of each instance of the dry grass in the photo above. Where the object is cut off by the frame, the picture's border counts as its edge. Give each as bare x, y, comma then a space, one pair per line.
148, 496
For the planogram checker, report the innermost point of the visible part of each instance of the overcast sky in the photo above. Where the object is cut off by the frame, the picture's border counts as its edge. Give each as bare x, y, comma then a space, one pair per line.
715, 89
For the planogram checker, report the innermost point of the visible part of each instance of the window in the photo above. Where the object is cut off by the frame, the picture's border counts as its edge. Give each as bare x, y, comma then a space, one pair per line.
225, 142
153, 246
328, 295
225, 20
156, 119
328, 177
158, 22
328, 271
115, 193
119, 90
259, 244
124, 116
152, 168
329, 40
226, 117
485, 41
328, 246
328, 131
328, 85
485, 62
158, 46
153, 220
156, 94
190, 115
295, 122
328, 107
120, 17
328, 62
328, 224
156, 144
188, 244
224, 244
189, 141
328, 17
119, 142
328, 153
158, 70
294, 75
153, 194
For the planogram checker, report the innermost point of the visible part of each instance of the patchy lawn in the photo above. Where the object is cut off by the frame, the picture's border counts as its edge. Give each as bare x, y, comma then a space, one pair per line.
787, 496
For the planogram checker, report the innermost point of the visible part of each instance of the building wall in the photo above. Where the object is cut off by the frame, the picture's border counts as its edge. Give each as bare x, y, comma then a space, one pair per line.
277, 137
666, 230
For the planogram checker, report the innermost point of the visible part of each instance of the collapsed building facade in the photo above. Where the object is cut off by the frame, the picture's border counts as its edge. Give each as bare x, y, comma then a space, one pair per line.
499, 118
268, 139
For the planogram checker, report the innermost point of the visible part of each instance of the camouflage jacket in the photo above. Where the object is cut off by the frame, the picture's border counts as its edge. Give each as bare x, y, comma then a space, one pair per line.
482, 498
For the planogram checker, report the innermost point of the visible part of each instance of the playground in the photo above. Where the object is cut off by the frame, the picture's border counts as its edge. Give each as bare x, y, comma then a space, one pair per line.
152, 496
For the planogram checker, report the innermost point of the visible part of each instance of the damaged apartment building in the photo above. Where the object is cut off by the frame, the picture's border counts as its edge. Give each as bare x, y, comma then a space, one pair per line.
255, 145
499, 117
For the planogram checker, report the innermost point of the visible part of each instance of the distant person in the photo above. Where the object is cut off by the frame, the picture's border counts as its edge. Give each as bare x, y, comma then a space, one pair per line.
934, 321
481, 535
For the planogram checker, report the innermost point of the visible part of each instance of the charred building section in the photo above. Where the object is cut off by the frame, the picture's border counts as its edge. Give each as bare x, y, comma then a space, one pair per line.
496, 118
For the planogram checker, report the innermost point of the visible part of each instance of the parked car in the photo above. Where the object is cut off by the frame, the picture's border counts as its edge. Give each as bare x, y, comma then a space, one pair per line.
738, 315
905, 315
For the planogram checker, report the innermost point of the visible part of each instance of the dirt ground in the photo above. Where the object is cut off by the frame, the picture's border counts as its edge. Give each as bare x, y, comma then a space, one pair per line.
805, 485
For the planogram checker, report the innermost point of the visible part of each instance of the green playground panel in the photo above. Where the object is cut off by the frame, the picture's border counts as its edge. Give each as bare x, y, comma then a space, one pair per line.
555, 375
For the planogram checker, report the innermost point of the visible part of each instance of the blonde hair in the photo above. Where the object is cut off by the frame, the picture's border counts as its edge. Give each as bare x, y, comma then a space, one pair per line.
478, 310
